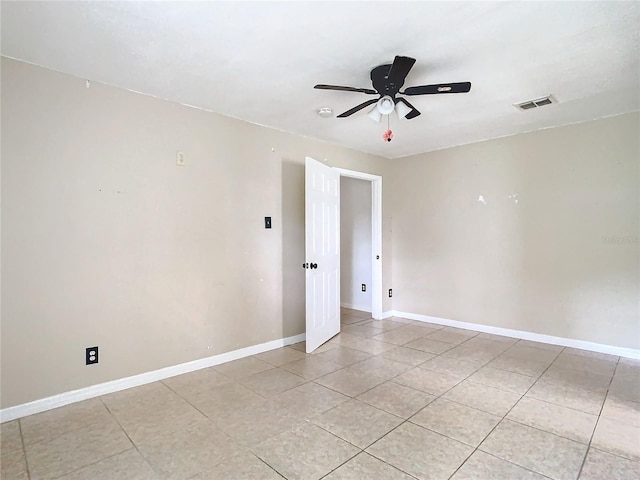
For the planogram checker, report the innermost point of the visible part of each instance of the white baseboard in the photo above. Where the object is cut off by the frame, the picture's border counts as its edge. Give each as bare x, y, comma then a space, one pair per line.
37, 406
362, 308
536, 337
387, 314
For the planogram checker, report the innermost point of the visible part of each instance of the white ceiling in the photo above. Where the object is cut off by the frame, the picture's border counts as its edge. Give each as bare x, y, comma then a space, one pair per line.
259, 61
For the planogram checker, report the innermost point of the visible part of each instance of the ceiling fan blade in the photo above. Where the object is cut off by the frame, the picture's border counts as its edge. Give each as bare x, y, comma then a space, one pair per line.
368, 91
358, 108
400, 69
414, 111
462, 87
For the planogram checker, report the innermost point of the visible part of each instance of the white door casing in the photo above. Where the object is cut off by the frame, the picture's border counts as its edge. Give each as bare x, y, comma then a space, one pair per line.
322, 253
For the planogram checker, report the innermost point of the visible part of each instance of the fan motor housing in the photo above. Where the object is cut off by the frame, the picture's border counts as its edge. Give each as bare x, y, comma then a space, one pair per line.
380, 81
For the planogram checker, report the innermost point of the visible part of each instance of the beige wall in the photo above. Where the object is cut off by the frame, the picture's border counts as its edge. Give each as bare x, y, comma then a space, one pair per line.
563, 260
105, 241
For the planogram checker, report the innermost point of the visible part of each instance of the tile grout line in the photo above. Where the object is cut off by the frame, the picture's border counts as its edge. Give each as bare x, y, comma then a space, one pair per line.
595, 427
363, 450
407, 420
503, 418
126, 434
24, 450
260, 459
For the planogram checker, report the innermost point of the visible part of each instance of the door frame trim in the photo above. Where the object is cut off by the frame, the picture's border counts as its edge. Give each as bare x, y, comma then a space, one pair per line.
376, 236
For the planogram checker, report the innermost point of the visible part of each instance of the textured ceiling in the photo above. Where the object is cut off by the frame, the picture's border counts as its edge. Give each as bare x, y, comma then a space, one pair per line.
259, 61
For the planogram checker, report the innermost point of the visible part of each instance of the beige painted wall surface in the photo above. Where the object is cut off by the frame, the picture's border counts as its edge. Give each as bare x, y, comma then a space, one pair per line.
552, 245
105, 241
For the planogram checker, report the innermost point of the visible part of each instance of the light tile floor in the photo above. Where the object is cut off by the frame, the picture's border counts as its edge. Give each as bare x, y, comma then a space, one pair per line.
390, 399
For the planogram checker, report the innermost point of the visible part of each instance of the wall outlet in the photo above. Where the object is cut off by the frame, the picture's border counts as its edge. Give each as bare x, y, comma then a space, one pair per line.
364, 287
390, 293
91, 355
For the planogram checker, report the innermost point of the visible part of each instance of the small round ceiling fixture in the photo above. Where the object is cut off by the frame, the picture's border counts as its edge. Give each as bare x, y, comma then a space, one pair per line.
325, 112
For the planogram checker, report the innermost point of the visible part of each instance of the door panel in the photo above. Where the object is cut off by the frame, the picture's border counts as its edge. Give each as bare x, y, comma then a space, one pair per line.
322, 251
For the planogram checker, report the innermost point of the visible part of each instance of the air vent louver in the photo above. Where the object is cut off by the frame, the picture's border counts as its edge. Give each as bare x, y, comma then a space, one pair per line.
538, 102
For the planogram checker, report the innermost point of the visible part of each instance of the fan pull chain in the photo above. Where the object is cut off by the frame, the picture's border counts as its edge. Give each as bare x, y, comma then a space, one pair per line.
388, 135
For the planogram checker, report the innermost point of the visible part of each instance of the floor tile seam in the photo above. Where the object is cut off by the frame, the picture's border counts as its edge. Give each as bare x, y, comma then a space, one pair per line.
595, 428
502, 389
24, 450
489, 434
406, 345
18, 449
561, 349
507, 461
580, 370
591, 447
520, 422
511, 409
65, 432
272, 468
72, 431
192, 405
572, 386
363, 402
174, 390
367, 453
537, 377
433, 394
557, 404
494, 386
587, 359
446, 373
459, 403
186, 400
390, 464
385, 435
563, 406
504, 417
385, 379
341, 439
224, 458
128, 437
333, 389
453, 345
415, 390
474, 447
347, 460
132, 447
482, 364
276, 368
527, 359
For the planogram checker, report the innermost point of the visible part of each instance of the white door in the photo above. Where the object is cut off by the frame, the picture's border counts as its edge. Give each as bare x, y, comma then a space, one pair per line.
322, 252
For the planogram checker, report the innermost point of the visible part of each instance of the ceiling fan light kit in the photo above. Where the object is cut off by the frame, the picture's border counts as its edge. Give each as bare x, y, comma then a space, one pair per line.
402, 110
387, 80
385, 105
374, 114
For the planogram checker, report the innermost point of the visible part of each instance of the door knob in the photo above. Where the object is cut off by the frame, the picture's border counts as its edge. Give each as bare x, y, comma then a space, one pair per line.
305, 265
313, 265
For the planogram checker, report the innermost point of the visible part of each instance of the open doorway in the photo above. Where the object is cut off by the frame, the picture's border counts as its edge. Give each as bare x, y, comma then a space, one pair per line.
355, 244
361, 241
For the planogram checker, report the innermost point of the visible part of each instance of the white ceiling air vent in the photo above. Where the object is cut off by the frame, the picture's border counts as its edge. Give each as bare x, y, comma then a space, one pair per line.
538, 102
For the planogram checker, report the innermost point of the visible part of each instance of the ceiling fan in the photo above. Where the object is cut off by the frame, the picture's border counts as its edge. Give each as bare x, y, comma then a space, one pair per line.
387, 80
